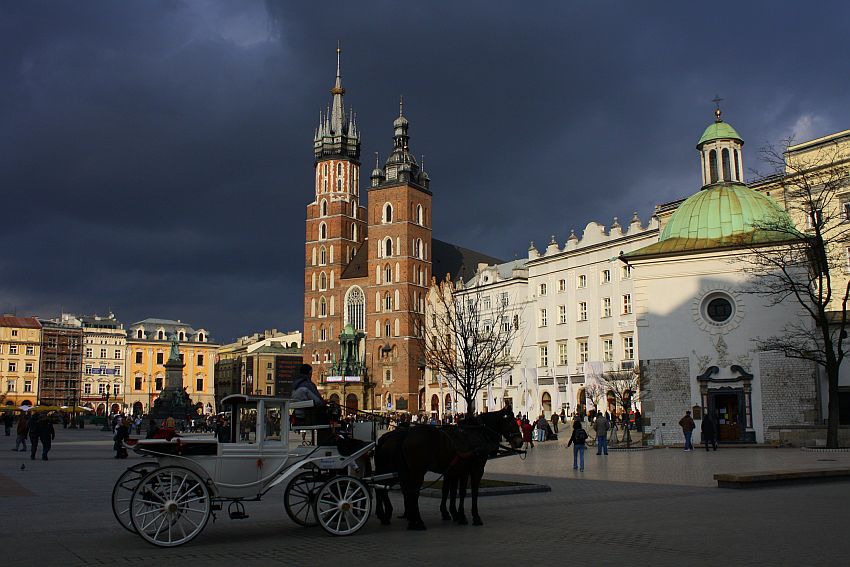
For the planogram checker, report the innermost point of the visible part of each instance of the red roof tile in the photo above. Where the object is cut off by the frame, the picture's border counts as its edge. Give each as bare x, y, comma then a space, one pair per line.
20, 322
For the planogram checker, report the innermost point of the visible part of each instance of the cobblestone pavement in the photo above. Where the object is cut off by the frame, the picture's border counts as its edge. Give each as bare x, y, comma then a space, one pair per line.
647, 508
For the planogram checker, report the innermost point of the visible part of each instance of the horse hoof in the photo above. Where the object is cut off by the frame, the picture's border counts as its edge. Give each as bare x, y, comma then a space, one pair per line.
417, 527
477, 522
462, 521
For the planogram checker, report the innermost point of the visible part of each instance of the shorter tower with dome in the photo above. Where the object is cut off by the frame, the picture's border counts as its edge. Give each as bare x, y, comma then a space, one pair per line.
697, 317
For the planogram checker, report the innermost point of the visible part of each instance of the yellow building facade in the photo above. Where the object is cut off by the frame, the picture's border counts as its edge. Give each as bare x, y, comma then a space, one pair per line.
20, 350
815, 182
148, 346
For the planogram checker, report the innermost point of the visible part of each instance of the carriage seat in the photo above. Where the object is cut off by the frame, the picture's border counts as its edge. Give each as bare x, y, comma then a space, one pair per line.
177, 447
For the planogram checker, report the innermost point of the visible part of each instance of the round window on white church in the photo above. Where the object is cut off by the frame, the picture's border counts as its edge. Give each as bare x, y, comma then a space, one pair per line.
718, 308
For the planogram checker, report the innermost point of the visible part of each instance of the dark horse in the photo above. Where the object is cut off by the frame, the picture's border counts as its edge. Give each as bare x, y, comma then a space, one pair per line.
455, 451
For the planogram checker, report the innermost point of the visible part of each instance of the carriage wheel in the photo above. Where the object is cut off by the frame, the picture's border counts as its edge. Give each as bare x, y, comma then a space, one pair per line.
170, 506
343, 505
300, 495
123, 492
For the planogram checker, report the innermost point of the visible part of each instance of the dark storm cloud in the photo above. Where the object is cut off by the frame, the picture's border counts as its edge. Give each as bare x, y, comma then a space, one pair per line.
155, 157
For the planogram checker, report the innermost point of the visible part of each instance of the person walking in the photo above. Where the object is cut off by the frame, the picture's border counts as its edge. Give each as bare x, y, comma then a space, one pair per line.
541, 428
687, 424
708, 431
122, 434
527, 439
42, 431
577, 440
21, 431
555, 419
7, 422
601, 426
32, 430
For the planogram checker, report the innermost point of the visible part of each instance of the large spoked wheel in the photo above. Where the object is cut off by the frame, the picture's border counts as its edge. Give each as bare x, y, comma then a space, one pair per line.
123, 492
300, 496
343, 505
170, 506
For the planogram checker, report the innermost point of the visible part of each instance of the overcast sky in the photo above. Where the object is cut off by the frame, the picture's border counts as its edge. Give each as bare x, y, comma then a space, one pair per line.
156, 157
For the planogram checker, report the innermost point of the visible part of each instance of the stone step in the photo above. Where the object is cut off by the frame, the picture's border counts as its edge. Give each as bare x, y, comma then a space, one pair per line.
763, 478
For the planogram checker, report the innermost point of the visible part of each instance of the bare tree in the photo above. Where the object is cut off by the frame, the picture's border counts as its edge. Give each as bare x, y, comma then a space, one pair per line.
623, 386
805, 266
593, 393
467, 341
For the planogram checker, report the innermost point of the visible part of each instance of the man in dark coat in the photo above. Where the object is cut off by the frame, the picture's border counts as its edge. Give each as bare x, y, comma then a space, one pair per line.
7, 422
687, 424
42, 430
708, 429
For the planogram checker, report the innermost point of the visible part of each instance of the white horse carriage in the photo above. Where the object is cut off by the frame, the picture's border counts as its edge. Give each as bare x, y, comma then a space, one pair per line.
169, 501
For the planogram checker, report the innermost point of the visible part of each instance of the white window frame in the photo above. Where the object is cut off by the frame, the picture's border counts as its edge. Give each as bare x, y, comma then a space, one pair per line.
582, 311
543, 356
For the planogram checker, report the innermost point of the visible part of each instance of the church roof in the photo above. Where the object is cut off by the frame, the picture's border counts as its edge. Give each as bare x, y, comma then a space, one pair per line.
358, 267
446, 258
718, 131
722, 215
459, 262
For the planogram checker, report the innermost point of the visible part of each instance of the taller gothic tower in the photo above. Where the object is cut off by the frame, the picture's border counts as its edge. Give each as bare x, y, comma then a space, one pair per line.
336, 226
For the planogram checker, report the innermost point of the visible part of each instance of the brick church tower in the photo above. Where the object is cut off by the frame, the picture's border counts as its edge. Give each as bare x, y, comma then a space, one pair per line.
399, 270
336, 226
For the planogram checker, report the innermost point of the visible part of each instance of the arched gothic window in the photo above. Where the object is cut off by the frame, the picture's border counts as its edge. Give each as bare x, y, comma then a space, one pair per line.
339, 169
323, 307
324, 211
388, 212
323, 259
712, 166
323, 281
355, 308
727, 165
339, 184
420, 216
388, 274
388, 247
139, 334
323, 231
737, 167
388, 302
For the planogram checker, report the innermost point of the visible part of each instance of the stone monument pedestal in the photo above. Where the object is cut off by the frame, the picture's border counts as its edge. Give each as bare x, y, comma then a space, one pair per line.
173, 400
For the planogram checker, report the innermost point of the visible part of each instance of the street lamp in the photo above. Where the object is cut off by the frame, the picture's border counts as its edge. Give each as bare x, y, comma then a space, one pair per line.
106, 410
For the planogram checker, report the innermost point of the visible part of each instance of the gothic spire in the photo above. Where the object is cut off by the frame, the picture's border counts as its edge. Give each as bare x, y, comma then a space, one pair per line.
337, 134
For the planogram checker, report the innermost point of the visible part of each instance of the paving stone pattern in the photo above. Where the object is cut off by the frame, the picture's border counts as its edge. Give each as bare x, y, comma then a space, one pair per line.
647, 508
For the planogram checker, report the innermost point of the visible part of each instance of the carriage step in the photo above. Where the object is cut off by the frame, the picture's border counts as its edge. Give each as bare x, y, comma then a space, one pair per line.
238, 515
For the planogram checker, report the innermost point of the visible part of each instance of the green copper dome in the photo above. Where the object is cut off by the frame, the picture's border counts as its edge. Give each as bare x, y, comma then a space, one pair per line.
724, 211
722, 216
718, 131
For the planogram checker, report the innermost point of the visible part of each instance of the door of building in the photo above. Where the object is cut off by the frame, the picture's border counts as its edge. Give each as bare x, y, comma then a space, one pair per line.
727, 407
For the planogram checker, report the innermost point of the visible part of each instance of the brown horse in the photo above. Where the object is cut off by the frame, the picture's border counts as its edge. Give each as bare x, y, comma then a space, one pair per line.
455, 451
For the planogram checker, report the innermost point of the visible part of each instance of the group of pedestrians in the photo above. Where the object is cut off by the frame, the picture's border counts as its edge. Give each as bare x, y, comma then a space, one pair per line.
37, 427
708, 431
